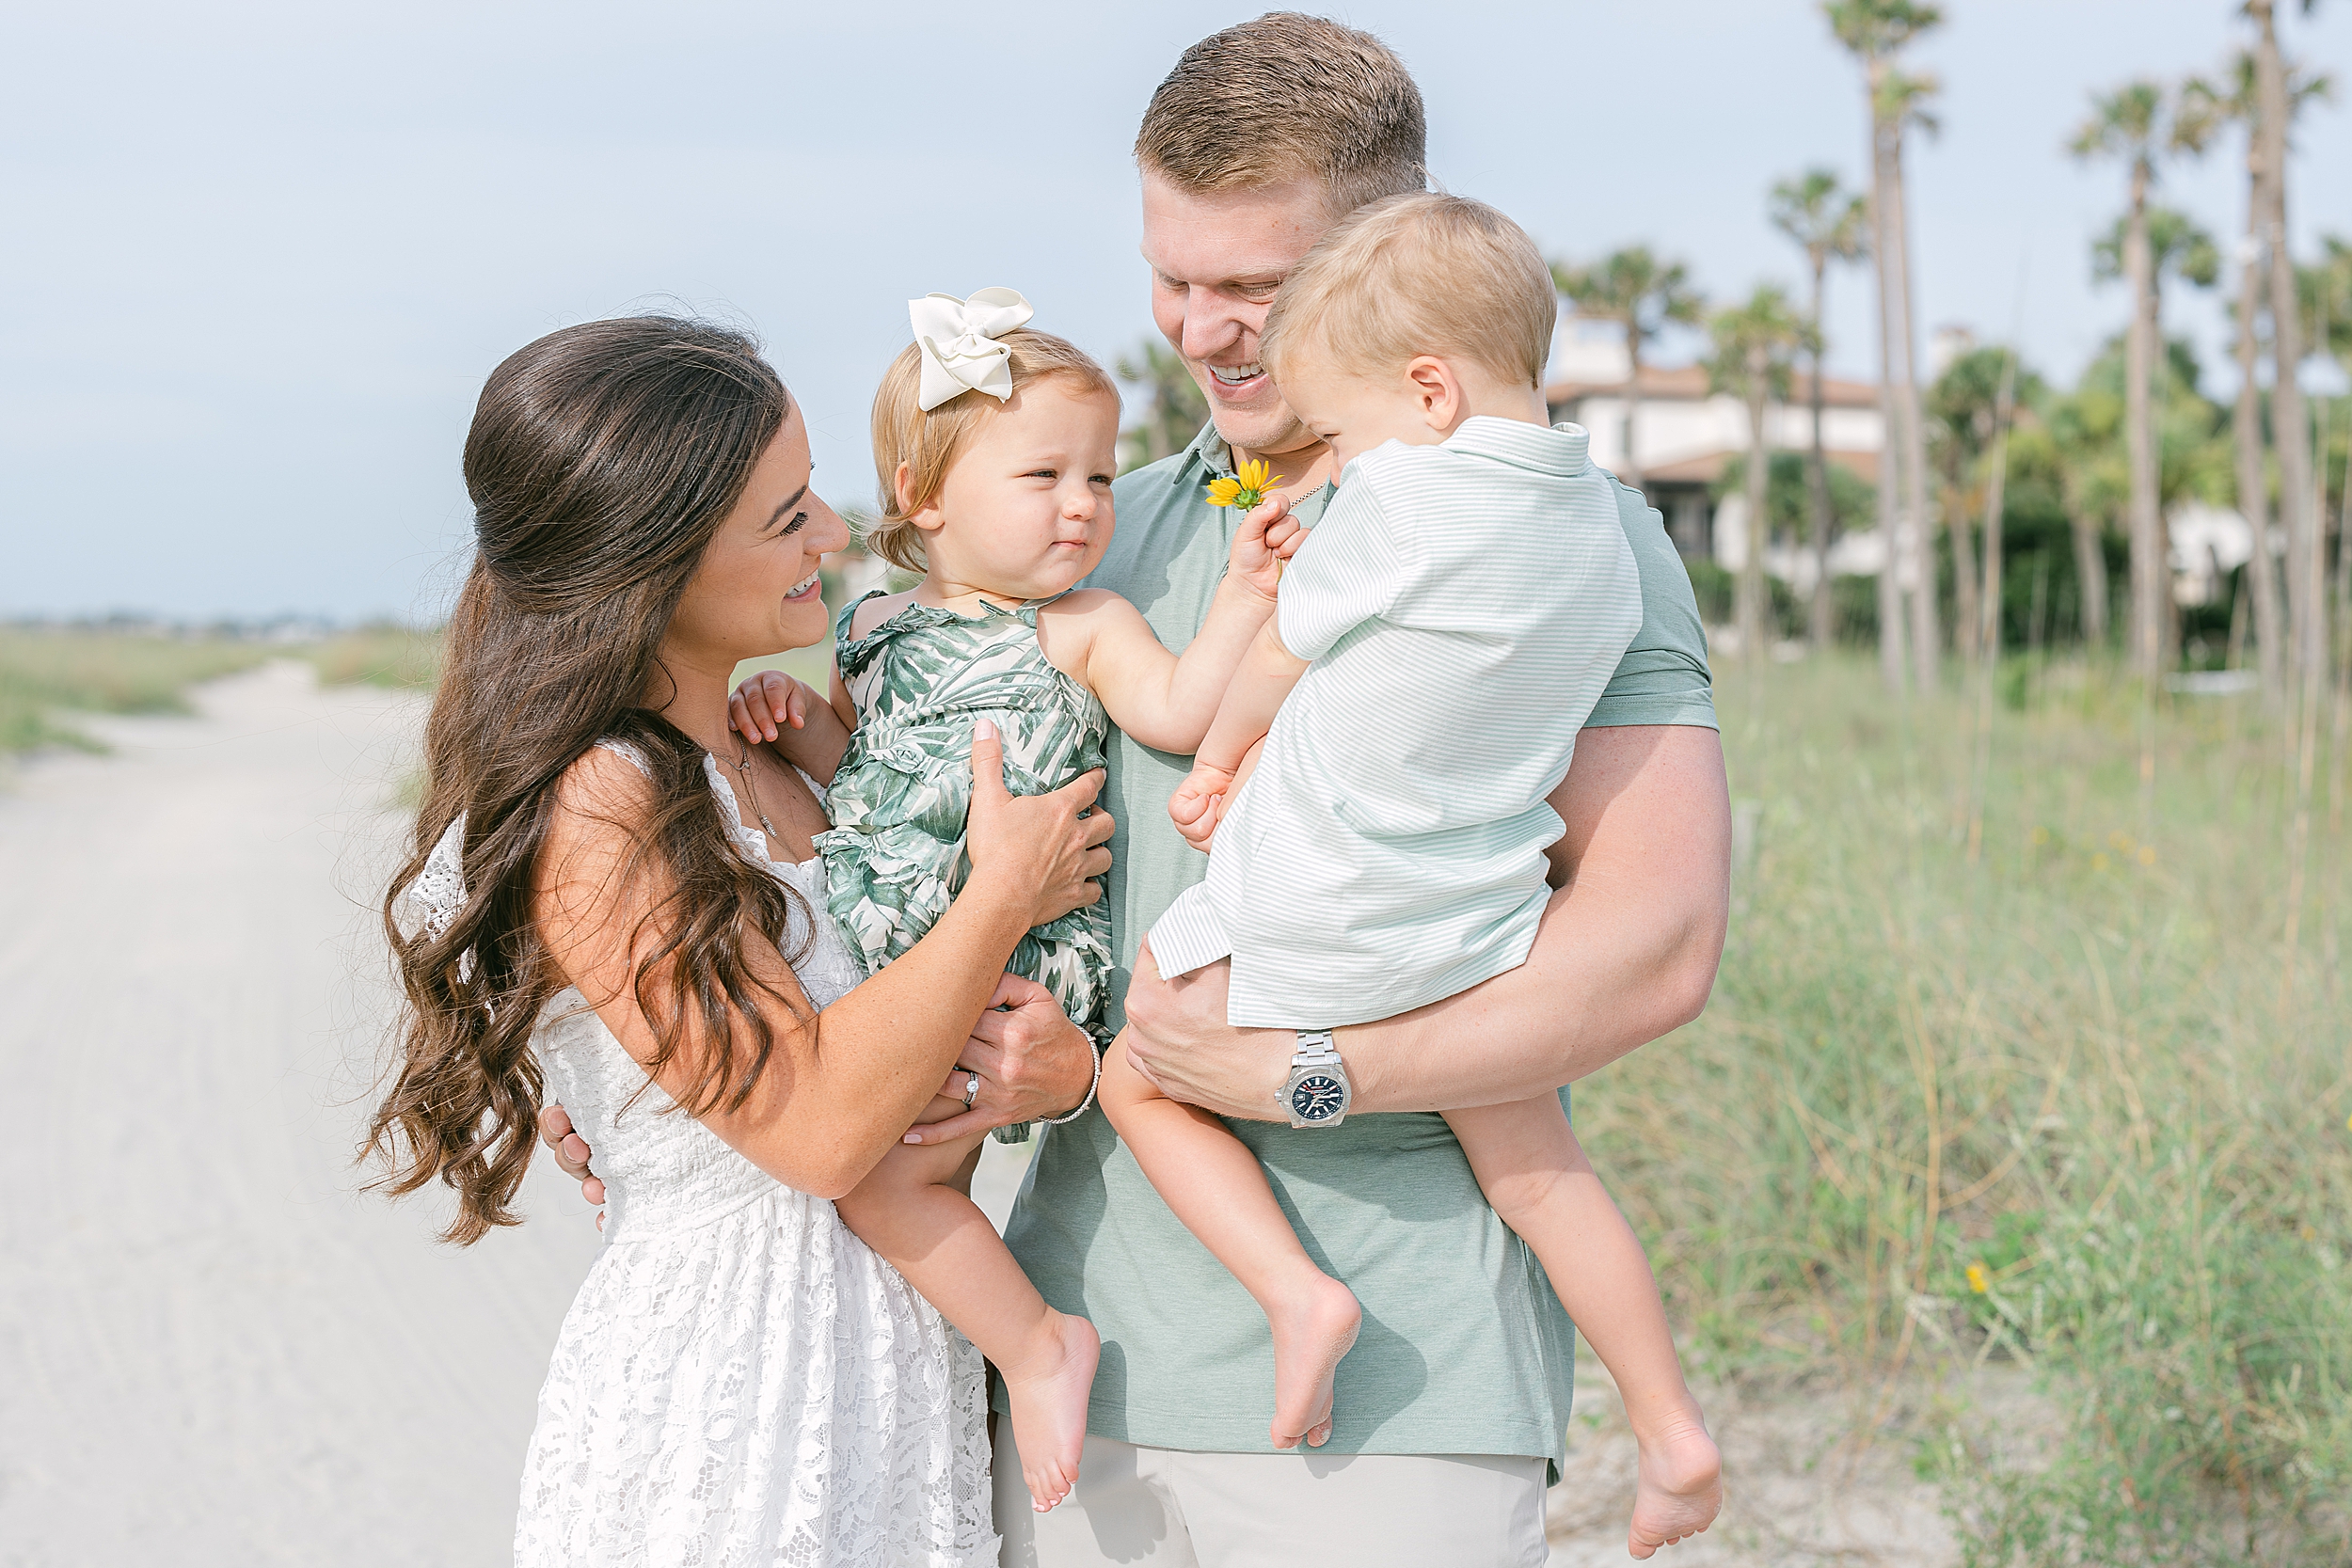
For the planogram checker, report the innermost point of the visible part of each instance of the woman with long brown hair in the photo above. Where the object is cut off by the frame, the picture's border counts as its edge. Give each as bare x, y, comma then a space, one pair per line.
613, 898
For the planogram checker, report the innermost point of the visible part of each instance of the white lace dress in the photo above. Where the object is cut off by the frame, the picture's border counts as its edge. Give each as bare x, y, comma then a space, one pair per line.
740, 1382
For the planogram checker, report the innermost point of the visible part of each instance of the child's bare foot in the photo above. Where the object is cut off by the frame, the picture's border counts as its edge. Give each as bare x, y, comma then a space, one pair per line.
1312, 1329
1048, 1393
1680, 1490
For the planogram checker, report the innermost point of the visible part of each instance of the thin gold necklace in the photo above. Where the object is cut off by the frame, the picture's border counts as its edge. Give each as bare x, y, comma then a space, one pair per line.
744, 767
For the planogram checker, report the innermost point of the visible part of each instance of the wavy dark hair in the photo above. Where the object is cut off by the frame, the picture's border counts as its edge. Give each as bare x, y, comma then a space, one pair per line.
602, 460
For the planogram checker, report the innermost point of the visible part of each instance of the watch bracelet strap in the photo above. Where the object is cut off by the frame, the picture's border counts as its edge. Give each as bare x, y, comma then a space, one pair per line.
1315, 1049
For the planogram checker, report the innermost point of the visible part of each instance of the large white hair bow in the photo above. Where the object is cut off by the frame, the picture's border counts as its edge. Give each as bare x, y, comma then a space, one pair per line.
958, 338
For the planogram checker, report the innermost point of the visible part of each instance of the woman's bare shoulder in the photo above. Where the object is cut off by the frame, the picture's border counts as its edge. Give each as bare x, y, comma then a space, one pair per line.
606, 789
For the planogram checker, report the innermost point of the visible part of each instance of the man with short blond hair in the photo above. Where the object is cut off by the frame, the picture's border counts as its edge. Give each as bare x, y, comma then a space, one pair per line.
1451, 1409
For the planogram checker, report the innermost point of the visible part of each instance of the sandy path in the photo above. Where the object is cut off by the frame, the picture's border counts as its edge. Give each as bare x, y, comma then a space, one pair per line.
211, 1348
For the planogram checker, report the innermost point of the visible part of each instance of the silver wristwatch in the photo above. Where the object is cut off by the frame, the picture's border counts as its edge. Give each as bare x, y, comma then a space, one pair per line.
1317, 1092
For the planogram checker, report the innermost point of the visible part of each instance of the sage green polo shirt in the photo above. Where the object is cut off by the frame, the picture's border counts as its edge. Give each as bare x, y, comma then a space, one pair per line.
1463, 1348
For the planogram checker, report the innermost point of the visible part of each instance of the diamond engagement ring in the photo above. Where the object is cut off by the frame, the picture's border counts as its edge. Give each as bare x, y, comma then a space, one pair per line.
971, 1087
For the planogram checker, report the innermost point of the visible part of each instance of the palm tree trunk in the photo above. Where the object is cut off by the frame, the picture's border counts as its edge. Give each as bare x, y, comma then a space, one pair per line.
2148, 566
1817, 481
1927, 642
1964, 611
2254, 482
1890, 593
1751, 630
1996, 495
1632, 465
2090, 572
2306, 597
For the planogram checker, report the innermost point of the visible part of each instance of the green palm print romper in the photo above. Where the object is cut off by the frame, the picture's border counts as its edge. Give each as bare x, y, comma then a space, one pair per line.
895, 856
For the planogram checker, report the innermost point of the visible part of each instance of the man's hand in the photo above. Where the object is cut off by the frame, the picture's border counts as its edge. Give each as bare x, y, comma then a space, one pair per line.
767, 700
1033, 1063
571, 1154
1179, 1040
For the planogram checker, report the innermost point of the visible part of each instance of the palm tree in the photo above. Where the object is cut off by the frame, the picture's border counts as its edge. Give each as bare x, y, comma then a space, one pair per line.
1875, 31
2307, 599
1178, 408
1641, 294
2139, 123
2177, 248
1902, 104
2083, 430
1755, 343
1969, 408
1828, 223
2238, 100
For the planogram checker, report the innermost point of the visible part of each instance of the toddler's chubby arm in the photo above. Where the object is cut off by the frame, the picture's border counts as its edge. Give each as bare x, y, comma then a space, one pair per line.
1266, 677
1161, 699
806, 729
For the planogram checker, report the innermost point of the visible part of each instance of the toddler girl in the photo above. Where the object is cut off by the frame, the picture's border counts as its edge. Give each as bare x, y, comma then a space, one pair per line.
994, 447
1462, 604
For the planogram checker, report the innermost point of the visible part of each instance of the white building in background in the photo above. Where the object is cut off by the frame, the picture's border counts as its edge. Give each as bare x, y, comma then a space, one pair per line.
1686, 435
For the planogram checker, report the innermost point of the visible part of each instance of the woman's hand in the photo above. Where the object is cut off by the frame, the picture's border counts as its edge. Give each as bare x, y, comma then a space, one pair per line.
1033, 1063
1268, 536
1044, 848
1178, 1038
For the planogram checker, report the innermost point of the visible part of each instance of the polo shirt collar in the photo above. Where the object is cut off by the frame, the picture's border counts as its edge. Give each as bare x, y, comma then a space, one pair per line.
1208, 453
1561, 449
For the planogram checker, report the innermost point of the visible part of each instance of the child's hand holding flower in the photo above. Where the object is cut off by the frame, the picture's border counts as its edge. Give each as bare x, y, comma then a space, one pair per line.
1267, 537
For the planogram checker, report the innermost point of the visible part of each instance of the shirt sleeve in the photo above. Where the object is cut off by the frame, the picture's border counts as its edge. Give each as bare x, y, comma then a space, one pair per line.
1349, 571
1663, 677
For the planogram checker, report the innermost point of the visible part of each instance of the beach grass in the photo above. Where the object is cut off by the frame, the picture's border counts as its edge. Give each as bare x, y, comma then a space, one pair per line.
2029, 1043
47, 675
395, 656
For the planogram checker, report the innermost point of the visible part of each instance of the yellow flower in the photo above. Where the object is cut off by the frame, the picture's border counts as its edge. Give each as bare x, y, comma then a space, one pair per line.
1978, 1281
1245, 488
2147, 854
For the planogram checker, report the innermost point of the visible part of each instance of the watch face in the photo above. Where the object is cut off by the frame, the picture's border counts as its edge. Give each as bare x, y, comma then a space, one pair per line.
1317, 1097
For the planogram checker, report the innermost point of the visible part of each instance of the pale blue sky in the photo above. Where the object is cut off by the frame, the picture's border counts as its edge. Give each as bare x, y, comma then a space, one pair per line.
261, 256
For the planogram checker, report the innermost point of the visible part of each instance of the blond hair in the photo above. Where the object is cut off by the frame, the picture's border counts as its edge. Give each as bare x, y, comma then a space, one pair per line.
929, 443
1288, 95
1413, 275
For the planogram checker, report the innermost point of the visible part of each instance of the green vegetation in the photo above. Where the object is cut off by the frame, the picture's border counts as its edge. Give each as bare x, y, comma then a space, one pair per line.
388, 656
2029, 1060
44, 672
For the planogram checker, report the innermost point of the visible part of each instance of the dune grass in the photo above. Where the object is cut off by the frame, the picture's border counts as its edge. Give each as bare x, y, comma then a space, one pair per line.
386, 655
2040, 1061
46, 673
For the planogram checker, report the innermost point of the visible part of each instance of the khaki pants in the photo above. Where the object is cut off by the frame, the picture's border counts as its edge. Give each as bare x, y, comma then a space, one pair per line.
1165, 1507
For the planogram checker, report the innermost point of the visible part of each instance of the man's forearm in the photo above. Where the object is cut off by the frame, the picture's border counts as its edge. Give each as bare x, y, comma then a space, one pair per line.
1592, 991
1626, 952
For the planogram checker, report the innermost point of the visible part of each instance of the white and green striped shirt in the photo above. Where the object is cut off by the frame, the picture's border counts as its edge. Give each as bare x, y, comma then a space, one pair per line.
1463, 604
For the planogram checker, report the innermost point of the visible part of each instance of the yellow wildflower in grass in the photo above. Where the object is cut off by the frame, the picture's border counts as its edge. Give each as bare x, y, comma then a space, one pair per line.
1245, 487
1978, 1281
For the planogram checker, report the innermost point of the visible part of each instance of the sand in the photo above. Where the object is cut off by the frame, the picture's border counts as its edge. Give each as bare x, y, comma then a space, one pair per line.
215, 1349
212, 1349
